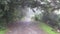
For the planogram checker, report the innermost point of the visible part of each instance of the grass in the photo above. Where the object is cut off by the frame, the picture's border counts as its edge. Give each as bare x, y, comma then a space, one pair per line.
2, 31
47, 28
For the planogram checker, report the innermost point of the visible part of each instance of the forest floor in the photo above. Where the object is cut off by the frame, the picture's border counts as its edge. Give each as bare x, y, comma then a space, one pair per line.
25, 27
28, 26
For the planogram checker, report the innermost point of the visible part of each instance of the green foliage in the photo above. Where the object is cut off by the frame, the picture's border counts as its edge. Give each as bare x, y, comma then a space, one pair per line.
38, 17
6, 13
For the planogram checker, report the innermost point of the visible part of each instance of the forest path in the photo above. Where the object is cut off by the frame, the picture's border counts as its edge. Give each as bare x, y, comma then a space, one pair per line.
25, 27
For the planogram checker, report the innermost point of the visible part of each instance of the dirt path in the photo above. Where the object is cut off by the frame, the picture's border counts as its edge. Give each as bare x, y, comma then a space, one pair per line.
25, 28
